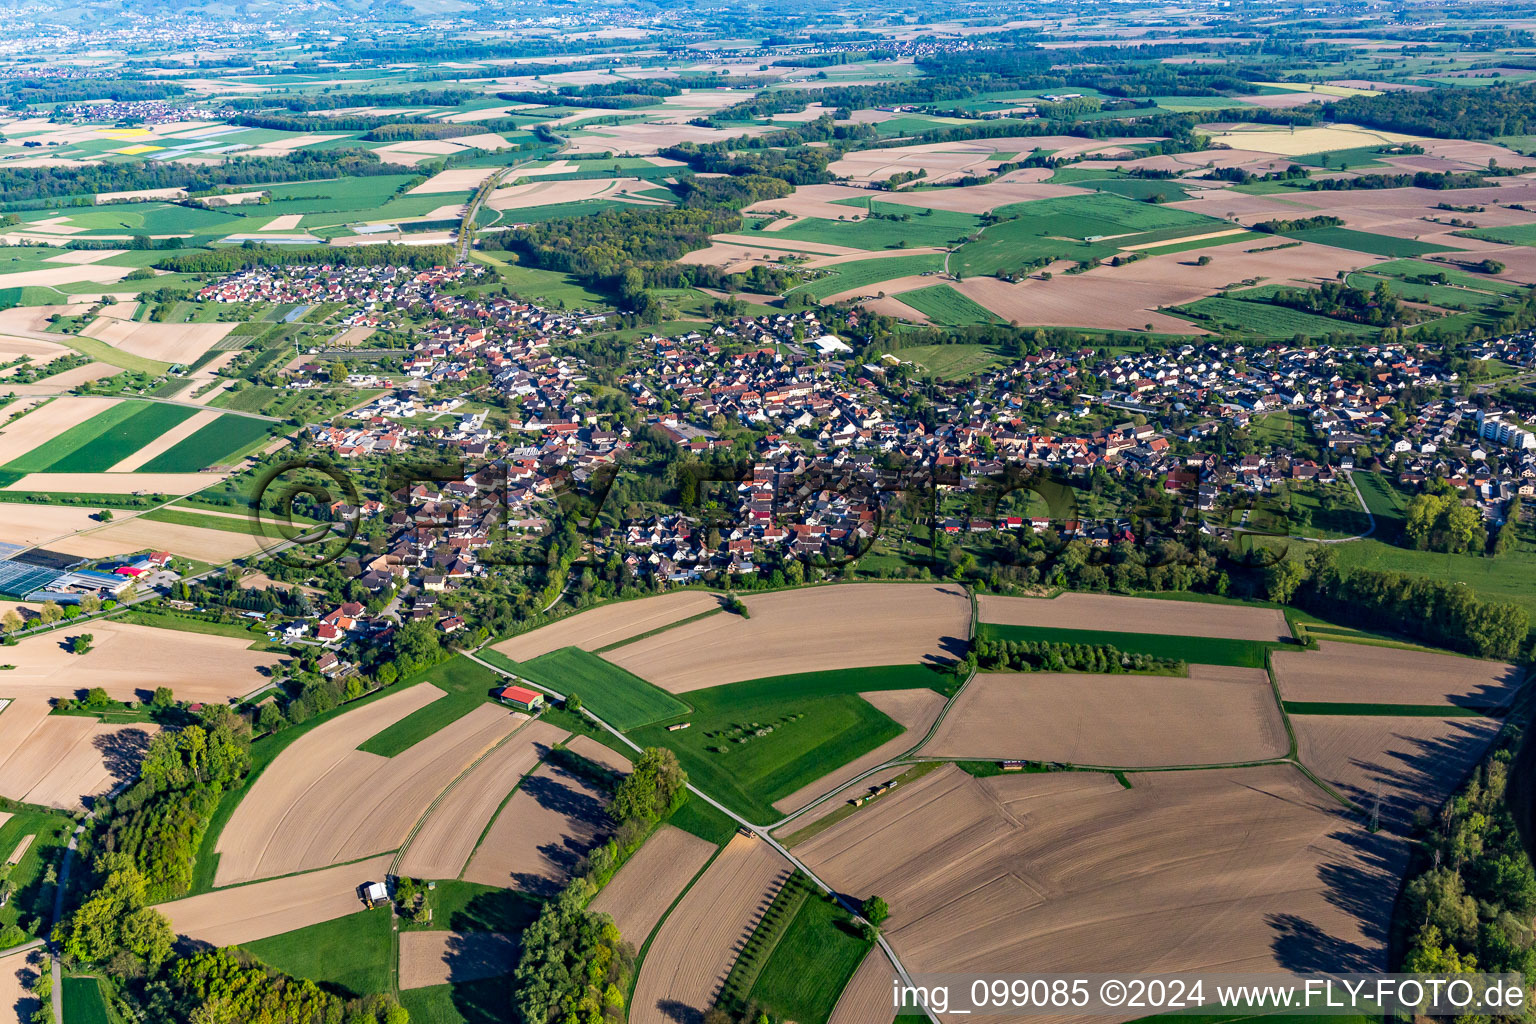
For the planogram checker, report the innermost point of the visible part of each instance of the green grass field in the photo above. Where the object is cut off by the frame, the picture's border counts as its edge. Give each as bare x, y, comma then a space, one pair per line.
1365, 241
868, 273
32, 900
1268, 320
547, 287
1513, 234
112, 446
149, 218
1296, 707
1198, 649
1073, 227
471, 907
818, 723
1412, 268
811, 964
943, 305
466, 686
181, 517
911, 226
953, 362
84, 1002
103, 440
355, 953
209, 445
620, 698
468, 1002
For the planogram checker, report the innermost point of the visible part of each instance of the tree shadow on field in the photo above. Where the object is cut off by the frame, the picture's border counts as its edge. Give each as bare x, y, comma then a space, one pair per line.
122, 751
480, 955
1361, 880
586, 820
679, 1013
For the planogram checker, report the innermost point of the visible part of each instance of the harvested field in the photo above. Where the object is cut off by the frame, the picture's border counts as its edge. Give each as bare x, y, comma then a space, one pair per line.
44, 424
17, 971
66, 274
1219, 715
323, 801
914, 710
1305, 140
1364, 674
1243, 869
117, 483
78, 375
129, 661
35, 318
442, 846
548, 193
84, 255
246, 913
440, 958
166, 441
650, 880
1136, 615
38, 524
542, 833
842, 626
609, 624
41, 352
458, 179
168, 343
137, 534
597, 753
696, 946
1410, 764
868, 995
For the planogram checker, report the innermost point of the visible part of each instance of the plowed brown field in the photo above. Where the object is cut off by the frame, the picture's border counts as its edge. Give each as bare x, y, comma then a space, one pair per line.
852, 625
1244, 869
648, 883
322, 801
437, 958
1392, 766
543, 832
1135, 615
696, 946
1215, 716
442, 846
17, 971
246, 913
1365, 674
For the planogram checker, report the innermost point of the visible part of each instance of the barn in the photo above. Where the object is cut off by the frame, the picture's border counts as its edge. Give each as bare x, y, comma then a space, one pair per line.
521, 698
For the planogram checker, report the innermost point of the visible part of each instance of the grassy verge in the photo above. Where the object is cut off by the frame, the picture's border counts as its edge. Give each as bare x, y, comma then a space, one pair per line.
229, 524
659, 629
847, 808
353, 954
1302, 707
190, 624
1194, 649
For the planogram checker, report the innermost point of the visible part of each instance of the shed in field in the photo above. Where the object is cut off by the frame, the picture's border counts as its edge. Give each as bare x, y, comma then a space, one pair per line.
521, 698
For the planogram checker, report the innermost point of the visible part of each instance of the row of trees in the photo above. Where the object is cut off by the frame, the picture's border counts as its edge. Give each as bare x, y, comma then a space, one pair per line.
231, 259
18, 184
1440, 612
1049, 656
575, 966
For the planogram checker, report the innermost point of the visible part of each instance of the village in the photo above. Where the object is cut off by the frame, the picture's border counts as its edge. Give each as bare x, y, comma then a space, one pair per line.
800, 448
